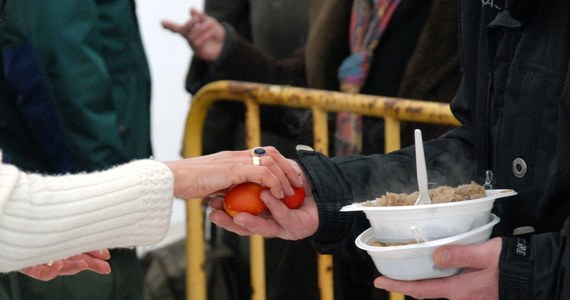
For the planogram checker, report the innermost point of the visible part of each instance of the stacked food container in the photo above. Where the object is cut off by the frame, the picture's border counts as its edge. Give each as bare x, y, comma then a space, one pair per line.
402, 239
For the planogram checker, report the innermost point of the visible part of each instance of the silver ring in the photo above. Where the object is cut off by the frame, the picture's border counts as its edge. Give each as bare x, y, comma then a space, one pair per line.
256, 161
258, 152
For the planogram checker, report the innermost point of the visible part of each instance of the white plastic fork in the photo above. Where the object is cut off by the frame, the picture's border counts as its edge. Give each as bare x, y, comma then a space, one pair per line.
423, 198
418, 235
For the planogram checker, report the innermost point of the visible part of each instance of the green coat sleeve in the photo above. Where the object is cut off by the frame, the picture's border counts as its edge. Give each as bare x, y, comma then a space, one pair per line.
98, 78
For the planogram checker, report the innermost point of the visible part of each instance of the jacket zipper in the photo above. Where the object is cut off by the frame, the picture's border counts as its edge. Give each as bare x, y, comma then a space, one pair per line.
487, 133
487, 139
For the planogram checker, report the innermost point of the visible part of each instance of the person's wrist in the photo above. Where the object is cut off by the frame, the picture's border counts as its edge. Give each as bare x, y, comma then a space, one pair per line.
173, 167
220, 45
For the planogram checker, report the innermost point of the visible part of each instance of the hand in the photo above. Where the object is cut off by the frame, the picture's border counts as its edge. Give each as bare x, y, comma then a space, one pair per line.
479, 278
281, 222
95, 261
204, 34
213, 174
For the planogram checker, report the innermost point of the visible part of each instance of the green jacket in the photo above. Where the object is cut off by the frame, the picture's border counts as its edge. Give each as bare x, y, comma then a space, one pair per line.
93, 91
97, 77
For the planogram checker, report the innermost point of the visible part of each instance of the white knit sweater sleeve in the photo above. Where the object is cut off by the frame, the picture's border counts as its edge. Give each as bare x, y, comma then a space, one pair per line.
45, 218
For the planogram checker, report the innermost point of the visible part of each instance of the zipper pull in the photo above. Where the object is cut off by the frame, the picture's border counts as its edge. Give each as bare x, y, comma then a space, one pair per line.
488, 180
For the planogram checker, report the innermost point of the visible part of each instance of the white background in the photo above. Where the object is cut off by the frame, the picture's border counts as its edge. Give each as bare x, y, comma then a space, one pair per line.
169, 56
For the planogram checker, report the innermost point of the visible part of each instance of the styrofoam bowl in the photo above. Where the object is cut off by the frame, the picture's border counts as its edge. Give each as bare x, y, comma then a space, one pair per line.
434, 221
414, 261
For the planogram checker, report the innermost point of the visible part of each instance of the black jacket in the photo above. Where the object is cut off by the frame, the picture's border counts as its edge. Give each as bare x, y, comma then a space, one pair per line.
514, 104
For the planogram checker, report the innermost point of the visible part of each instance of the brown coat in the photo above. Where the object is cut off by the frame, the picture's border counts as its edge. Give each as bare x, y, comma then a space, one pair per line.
431, 73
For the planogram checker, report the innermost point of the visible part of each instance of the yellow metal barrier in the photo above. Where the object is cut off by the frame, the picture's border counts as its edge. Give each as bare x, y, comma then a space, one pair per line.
392, 110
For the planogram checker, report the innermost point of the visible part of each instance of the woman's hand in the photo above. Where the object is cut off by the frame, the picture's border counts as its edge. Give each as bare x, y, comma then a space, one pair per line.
213, 174
95, 261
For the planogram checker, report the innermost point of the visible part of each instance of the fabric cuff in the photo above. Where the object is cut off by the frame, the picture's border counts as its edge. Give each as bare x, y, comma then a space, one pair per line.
515, 268
216, 68
330, 192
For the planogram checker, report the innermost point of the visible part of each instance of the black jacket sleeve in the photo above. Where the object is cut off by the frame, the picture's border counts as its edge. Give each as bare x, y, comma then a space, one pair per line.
241, 60
346, 179
535, 266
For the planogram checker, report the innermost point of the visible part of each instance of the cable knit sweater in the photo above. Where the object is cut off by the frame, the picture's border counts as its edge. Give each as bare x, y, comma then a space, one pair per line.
45, 218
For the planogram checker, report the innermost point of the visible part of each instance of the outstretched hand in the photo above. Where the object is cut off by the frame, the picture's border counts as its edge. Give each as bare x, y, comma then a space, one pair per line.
281, 221
213, 174
479, 278
203, 33
95, 261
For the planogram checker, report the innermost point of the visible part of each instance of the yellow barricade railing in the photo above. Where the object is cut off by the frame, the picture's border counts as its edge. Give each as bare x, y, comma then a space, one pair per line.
392, 110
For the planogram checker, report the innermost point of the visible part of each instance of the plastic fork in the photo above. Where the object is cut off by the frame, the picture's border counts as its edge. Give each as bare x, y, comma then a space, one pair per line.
418, 235
423, 198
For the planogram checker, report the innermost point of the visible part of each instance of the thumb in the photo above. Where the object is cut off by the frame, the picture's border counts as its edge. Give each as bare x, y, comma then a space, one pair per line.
468, 256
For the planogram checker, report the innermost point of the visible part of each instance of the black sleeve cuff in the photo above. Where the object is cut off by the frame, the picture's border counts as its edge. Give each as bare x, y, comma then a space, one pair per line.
331, 193
202, 72
515, 268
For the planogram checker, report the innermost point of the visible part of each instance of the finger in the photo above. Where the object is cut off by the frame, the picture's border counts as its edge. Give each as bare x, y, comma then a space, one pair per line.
282, 168
194, 36
99, 266
216, 203
483, 283
276, 206
201, 39
262, 174
468, 256
196, 14
50, 272
43, 272
171, 26
280, 213
202, 31
292, 223
223, 220
100, 254
206, 36
296, 175
421, 289
258, 225
190, 26
279, 174
72, 267
290, 168
94, 263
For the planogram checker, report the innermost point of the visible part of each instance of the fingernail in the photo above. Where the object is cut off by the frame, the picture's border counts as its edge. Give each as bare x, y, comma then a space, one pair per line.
268, 196
442, 257
378, 284
238, 220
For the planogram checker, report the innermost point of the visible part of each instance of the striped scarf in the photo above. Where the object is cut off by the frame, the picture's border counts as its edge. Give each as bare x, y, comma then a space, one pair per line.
369, 20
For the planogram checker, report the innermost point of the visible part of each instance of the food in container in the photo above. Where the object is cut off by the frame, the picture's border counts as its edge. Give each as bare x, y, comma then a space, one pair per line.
442, 194
413, 261
391, 224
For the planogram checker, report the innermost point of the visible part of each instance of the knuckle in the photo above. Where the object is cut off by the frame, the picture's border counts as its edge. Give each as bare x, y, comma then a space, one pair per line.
271, 149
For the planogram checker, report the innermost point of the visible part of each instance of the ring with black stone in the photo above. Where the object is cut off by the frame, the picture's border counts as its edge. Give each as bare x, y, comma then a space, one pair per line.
258, 152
